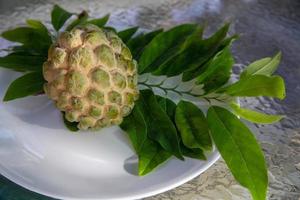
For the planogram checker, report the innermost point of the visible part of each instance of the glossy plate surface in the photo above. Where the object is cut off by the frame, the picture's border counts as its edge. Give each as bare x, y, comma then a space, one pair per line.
39, 153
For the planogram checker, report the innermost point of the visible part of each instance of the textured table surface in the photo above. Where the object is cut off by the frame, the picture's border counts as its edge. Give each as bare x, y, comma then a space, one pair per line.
265, 27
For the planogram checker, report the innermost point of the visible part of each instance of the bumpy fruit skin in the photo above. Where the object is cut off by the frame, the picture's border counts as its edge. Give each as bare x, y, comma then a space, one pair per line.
91, 76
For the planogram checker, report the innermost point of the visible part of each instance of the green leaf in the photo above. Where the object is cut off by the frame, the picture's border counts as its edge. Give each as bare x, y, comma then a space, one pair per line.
40, 27
264, 66
240, 150
72, 126
187, 54
23, 35
159, 126
81, 19
59, 16
222, 63
109, 28
201, 53
192, 153
257, 85
126, 34
193, 38
22, 61
99, 22
26, 36
203, 62
150, 153
27, 50
254, 116
162, 101
138, 43
26, 85
136, 128
219, 77
168, 106
192, 126
155, 53
151, 156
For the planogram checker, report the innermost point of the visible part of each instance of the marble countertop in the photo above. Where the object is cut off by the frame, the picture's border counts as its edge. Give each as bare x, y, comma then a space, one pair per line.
265, 28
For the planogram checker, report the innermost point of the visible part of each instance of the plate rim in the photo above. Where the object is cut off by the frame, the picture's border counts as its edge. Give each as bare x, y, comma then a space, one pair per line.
215, 157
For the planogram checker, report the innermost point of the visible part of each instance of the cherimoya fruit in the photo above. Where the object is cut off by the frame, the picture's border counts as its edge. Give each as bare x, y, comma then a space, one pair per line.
91, 76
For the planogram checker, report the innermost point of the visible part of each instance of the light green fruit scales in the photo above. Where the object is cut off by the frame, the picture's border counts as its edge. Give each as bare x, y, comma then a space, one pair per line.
89, 74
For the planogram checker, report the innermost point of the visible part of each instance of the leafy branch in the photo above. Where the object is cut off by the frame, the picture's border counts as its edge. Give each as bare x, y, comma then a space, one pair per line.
169, 89
194, 90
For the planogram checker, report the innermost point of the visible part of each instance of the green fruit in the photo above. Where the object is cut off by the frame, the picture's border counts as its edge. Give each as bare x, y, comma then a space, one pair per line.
91, 76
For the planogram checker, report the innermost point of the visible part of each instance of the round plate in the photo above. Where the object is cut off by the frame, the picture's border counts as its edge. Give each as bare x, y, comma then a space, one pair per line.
40, 154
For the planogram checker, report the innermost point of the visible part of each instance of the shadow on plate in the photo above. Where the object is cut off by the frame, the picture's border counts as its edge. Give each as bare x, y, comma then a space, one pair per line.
131, 165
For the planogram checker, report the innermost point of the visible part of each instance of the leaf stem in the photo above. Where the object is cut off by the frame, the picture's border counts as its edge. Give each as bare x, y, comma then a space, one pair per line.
180, 93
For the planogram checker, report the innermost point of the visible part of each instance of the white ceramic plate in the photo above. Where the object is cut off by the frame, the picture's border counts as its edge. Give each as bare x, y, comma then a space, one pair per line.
38, 153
